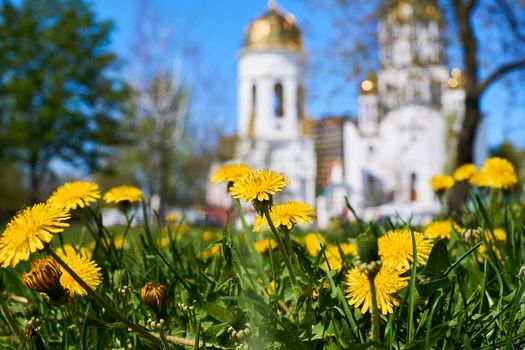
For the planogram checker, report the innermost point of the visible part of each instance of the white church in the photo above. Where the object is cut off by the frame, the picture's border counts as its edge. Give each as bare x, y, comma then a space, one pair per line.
409, 114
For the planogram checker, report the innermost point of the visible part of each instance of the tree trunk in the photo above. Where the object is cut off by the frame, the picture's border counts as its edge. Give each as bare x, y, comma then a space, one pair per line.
465, 145
34, 183
164, 173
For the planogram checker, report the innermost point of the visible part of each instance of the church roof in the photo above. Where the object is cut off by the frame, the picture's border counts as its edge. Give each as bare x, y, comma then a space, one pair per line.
274, 29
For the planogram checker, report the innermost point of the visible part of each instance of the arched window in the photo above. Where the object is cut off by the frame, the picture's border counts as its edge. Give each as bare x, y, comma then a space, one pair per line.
413, 190
300, 101
254, 99
278, 100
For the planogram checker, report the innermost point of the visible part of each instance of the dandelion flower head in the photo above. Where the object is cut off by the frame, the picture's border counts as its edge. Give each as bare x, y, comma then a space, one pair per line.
229, 172
465, 172
395, 249
29, 230
387, 282
122, 194
80, 262
440, 229
264, 244
499, 173
44, 277
75, 194
259, 185
441, 183
313, 242
287, 215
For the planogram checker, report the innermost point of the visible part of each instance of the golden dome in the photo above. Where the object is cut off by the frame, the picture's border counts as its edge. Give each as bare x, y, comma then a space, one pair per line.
274, 30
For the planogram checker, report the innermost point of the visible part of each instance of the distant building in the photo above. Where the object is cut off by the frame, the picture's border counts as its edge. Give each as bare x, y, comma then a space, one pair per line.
409, 115
329, 147
273, 129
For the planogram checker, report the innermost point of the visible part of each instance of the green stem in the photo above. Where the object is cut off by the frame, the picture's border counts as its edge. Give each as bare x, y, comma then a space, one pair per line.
249, 237
375, 313
12, 324
103, 303
282, 248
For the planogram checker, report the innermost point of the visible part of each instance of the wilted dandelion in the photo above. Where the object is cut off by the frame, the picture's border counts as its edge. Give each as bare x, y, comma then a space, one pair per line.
287, 215
387, 282
76, 194
395, 249
29, 230
44, 277
155, 296
80, 262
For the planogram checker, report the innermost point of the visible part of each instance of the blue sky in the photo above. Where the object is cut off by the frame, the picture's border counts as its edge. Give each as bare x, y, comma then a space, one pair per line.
216, 28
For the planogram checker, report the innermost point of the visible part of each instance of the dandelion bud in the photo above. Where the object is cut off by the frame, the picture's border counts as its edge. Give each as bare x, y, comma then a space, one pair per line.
155, 295
367, 247
120, 278
44, 277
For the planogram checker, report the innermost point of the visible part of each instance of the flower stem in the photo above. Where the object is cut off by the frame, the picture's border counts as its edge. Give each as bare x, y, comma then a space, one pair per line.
375, 313
282, 248
103, 303
12, 324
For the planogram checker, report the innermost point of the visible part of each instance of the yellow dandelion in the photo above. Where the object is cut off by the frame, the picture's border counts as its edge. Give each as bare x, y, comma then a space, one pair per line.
287, 215
395, 249
207, 236
119, 241
264, 244
259, 185
123, 194
441, 183
76, 194
80, 262
387, 282
464, 172
272, 288
213, 251
497, 235
349, 249
29, 230
44, 277
479, 179
230, 172
313, 242
499, 173
440, 229
172, 217
333, 258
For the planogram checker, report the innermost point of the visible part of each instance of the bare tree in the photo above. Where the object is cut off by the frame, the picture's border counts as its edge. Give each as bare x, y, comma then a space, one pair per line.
489, 34
162, 101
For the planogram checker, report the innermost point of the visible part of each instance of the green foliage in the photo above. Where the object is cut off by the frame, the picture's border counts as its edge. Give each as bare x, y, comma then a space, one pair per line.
224, 294
57, 96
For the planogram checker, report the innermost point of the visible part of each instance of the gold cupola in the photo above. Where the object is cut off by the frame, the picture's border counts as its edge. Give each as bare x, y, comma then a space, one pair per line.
273, 29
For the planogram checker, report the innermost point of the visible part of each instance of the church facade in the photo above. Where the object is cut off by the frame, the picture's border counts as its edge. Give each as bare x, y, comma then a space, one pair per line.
409, 115
273, 130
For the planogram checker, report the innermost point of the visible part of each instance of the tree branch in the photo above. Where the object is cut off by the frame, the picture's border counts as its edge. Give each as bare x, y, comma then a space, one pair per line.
500, 72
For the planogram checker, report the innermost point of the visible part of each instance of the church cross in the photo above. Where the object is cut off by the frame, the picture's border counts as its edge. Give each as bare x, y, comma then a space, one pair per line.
412, 128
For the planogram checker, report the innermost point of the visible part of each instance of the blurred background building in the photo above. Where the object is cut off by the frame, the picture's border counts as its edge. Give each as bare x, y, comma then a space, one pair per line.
405, 132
